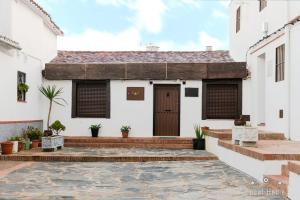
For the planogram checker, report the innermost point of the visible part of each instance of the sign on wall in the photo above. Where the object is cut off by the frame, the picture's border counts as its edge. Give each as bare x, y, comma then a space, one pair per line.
135, 93
191, 92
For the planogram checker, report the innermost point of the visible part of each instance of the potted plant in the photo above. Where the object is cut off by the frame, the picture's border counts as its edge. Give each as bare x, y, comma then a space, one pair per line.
26, 141
7, 147
34, 134
95, 129
199, 141
125, 131
23, 87
57, 127
54, 96
54, 142
15, 144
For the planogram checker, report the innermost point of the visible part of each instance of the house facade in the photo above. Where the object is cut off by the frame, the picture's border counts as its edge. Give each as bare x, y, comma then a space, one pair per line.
27, 41
265, 34
156, 93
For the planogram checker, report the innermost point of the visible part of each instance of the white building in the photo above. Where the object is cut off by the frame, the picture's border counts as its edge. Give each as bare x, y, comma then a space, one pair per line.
27, 41
156, 93
265, 34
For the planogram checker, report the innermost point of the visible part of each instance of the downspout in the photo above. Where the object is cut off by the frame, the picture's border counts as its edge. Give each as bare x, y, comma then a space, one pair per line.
288, 66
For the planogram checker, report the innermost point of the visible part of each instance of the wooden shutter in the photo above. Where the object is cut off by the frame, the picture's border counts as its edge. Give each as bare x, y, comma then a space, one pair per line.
91, 99
238, 19
222, 100
280, 63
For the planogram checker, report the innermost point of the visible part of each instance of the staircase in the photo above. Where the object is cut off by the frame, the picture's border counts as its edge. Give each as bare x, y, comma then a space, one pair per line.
133, 142
278, 183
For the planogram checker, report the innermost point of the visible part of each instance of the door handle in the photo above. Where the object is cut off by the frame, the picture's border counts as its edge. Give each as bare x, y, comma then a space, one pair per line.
168, 110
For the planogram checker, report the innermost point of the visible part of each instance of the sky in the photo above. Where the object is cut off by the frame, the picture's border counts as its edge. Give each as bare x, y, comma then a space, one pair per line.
120, 25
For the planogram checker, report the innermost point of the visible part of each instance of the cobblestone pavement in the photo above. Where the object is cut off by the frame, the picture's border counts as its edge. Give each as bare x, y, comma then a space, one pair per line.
208, 180
119, 152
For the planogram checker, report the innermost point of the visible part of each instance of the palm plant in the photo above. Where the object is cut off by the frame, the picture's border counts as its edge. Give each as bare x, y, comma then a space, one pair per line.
53, 95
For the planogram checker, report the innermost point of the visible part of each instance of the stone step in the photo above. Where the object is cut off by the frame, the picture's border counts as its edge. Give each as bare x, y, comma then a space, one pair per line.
278, 183
130, 145
285, 170
158, 140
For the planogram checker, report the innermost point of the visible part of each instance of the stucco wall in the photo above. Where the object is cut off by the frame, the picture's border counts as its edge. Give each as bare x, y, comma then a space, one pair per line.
138, 114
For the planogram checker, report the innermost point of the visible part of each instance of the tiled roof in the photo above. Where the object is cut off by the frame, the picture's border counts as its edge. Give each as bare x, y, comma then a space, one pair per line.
85, 57
45, 15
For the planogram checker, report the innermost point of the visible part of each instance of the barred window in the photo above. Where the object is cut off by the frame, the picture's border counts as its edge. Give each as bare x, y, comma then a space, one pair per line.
222, 99
21, 79
91, 99
280, 62
262, 4
238, 19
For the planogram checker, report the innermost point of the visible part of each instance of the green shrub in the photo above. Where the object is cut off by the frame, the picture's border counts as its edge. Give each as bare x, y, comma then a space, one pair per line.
95, 126
125, 129
23, 87
57, 127
33, 133
198, 132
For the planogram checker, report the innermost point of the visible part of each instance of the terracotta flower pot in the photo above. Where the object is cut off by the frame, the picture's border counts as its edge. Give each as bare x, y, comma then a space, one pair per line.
20, 146
35, 144
7, 148
125, 134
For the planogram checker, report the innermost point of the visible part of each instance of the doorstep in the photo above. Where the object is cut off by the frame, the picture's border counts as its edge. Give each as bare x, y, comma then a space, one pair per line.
110, 155
226, 134
267, 149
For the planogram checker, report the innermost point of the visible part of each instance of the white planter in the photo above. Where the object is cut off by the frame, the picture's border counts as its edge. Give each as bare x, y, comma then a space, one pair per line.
245, 136
52, 143
15, 146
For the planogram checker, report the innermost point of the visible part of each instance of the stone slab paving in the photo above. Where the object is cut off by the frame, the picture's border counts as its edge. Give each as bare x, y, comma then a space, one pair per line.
209, 180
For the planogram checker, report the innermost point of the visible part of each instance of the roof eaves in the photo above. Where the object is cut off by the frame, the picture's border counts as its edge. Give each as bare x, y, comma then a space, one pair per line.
9, 42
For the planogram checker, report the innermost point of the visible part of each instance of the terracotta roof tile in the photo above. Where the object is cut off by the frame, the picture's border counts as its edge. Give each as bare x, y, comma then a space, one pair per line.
85, 57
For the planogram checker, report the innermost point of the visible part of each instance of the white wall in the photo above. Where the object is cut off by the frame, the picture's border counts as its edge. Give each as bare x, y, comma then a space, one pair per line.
5, 16
137, 114
38, 43
294, 182
12, 62
276, 93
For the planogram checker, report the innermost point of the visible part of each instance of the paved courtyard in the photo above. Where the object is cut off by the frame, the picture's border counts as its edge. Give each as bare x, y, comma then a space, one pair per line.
210, 180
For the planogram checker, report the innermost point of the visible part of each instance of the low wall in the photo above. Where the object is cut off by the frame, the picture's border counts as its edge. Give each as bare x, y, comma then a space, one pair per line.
253, 167
13, 128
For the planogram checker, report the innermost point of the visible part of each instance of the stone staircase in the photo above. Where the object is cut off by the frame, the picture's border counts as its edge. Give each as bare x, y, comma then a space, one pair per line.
278, 183
133, 142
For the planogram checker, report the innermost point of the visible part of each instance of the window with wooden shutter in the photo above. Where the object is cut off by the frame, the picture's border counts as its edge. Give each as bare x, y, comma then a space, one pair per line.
262, 4
222, 99
280, 62
21, 79
238, 19
91, 99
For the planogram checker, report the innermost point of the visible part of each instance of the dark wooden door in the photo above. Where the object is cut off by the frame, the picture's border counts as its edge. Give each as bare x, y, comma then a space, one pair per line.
166, 110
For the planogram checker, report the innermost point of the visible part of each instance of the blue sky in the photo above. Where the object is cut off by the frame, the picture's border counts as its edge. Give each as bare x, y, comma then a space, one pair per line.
132, 24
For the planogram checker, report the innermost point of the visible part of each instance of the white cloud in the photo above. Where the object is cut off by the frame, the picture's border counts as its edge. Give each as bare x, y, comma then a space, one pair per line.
208, 40
219, 14
148, 14
94, 40
225, 2
195, 3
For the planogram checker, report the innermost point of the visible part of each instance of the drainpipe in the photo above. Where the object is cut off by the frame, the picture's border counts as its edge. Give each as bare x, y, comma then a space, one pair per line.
288, 66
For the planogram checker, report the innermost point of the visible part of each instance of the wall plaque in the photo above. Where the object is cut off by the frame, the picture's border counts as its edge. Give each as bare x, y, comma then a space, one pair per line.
191, 92
135, 93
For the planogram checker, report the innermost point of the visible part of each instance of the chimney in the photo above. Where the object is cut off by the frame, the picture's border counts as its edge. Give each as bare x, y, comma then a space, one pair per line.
209, 48
152, 47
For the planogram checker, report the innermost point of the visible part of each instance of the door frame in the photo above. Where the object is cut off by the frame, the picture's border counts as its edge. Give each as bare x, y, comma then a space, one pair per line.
178, 86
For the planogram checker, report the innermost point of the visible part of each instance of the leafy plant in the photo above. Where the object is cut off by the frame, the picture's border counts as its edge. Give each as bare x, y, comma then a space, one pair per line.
57, 127
95, 126
125, 129
23, 87
16, 138
33, 133
53, 95
198, 132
